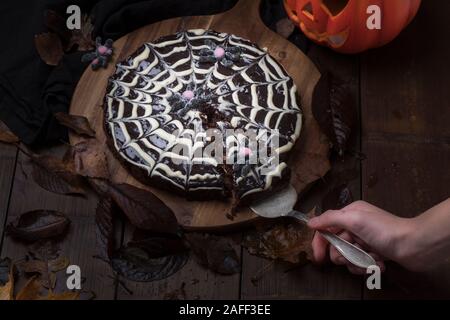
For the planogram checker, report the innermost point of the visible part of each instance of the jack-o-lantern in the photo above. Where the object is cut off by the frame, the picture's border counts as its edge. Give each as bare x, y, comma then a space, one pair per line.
342, 24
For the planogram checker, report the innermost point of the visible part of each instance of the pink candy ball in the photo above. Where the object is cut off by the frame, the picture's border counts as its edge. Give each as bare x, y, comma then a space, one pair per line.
219, 52
188, 94
95, 61
246, 151
102, 49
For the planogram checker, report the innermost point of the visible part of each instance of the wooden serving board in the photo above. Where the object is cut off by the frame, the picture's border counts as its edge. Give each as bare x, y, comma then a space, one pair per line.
242, 20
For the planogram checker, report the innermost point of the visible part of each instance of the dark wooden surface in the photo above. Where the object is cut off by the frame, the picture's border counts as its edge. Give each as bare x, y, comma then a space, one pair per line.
402, 94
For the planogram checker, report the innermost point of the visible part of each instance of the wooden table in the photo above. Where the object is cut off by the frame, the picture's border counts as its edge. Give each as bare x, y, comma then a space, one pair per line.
402, 93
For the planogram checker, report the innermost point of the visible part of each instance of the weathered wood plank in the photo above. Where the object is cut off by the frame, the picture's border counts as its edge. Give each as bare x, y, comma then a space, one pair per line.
80, 243
310, 282
409, 180
197, 282
406, 136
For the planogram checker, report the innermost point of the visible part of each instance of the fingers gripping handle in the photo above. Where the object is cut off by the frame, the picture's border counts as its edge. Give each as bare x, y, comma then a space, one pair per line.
352, 253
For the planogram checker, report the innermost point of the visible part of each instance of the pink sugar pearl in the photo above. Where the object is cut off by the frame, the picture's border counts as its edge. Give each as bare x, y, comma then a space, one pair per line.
246, 151
219, 52
102, 49
95, 61
188, 94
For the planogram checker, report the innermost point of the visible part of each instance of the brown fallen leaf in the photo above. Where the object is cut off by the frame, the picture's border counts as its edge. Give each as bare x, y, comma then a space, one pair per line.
49, 48
33, 266
42, 267
285, 27
150, 259
67, 295
289, 242
333, 108
143, 209
57, 24
33, 290
38, 224
46, 249
100, 186
78, 124
46, 270
213, 252
82, 38
105, 227
7, 136
56, 175
6, 279
89, 159
58, 264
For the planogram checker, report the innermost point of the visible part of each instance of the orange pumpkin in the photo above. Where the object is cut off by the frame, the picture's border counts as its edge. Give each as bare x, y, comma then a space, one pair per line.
341, 24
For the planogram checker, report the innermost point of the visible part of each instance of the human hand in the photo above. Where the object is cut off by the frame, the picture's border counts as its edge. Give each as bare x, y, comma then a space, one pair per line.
377, 231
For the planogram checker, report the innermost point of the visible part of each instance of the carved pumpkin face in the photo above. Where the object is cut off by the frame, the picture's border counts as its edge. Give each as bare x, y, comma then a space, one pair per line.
342, 24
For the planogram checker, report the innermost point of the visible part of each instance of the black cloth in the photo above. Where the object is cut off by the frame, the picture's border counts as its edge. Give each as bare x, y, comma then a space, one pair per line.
31, 91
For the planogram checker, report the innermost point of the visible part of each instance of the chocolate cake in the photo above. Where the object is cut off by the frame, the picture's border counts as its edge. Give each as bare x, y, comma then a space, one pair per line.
196, 91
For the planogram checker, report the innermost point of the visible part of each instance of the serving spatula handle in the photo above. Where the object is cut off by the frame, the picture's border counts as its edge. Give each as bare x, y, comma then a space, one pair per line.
352, 253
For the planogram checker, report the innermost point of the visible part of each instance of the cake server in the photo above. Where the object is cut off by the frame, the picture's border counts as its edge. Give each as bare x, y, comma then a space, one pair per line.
282, 203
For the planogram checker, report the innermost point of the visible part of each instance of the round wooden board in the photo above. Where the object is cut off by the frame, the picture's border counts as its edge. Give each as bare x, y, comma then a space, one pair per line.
242, 20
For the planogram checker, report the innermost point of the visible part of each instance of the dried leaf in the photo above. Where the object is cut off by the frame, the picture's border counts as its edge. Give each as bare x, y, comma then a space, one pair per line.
215, 253
6, 279
42, 267
33, 290
285, 27
337, 198
46, 249
67, 295
105, 227
82, 38
101, 186
78, 124
8, 137
56, 176
39, 224
150, 259
49, 282
58, 264
143, 209
89, 159
49, 48
46, 269
57, 24
33, 266
332, 107
289, 242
